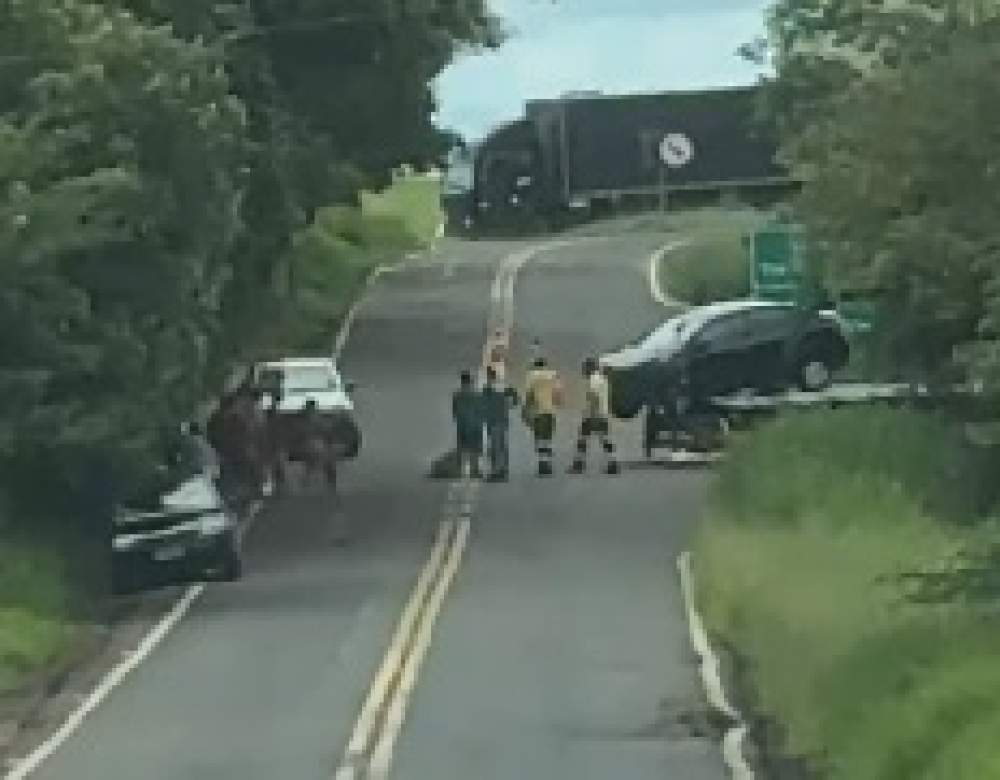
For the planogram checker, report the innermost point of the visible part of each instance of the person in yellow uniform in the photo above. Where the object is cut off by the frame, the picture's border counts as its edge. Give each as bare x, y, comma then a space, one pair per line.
596, 419
543, 395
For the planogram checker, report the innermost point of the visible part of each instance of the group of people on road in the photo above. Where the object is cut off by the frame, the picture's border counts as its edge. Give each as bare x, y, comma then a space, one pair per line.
488, 410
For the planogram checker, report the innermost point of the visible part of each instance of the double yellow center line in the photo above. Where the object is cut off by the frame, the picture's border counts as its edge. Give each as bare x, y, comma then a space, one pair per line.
369, 752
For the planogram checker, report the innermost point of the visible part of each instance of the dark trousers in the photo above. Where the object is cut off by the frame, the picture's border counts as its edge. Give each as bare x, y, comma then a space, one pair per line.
469, 448
599, 427
499, 448
544, 428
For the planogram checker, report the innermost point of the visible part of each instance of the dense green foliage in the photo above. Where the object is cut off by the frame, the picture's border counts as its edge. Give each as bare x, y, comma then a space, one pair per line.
806, 567
161, 166
887, 111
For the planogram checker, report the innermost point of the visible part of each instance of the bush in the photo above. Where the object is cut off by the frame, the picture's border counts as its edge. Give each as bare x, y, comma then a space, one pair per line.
848, 458
713, 265
369, 232
414, 200
707, 270
33, 601
801, 569
330, 261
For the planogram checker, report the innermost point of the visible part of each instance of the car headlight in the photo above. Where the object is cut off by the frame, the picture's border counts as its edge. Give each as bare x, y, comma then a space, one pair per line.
124, 542
214, 524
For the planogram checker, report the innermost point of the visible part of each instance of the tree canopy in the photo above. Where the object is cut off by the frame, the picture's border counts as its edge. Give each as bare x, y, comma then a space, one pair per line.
888, 111
156, 157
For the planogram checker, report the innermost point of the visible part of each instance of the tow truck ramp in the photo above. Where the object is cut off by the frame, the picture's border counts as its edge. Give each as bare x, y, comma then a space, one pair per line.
696, 433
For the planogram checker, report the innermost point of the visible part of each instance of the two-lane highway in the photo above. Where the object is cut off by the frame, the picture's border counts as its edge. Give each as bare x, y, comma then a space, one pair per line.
558, 649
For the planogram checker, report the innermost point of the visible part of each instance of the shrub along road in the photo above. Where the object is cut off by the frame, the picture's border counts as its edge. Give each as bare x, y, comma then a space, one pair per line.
560, 650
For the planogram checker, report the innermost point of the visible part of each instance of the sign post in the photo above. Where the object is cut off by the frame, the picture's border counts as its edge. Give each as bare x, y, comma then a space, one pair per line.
676, 151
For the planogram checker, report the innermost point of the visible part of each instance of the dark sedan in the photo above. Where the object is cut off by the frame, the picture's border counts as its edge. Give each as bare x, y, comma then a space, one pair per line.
725, 347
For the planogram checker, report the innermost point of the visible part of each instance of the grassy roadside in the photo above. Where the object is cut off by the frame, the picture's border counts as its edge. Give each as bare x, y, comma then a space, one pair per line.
331, 259
713, 264
804, 568
415, 200
35, 627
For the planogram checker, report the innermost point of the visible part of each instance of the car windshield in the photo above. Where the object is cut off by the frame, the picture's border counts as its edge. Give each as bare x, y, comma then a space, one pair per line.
180, 459
299, 379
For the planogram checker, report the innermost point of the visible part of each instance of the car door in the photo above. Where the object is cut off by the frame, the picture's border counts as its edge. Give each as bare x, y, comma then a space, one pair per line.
717, 355
768, 330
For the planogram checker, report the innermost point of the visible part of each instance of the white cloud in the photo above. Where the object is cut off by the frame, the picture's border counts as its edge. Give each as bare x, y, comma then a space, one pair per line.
627, 51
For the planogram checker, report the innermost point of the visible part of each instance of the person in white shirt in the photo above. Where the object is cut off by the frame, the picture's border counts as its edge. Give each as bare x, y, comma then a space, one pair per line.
596, 419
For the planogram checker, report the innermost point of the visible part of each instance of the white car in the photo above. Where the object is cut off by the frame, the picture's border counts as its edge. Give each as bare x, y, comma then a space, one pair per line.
296, 381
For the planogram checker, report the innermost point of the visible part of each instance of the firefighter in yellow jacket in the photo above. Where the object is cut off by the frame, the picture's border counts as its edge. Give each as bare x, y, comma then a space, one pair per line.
543, 395
596, 420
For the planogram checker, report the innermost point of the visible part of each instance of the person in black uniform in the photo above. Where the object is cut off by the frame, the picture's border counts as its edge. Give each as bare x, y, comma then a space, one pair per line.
467, 411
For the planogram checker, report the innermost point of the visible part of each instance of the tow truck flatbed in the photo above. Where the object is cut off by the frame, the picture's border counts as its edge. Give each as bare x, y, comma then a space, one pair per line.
711, 424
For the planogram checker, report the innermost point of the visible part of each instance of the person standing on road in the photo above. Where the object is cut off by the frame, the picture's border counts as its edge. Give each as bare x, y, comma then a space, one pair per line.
542, 397
497, 403
596, 419
467, 411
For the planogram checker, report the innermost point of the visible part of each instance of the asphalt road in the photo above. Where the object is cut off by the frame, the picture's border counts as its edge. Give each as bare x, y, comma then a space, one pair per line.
561, 649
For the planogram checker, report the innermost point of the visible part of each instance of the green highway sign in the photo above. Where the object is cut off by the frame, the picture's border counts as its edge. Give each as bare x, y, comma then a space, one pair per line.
777, 263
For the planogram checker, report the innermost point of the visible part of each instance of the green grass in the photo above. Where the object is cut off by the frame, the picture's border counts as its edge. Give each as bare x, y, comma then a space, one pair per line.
713, 265
415, 200
813, 520
34, 629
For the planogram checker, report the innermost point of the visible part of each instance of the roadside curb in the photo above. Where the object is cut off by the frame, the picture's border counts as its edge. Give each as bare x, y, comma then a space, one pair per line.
711, 676
655, 282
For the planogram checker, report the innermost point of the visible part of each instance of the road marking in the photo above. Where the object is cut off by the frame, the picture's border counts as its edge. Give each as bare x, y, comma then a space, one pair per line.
26, 766
34, 760
711, 677
390, 671
655, 264
382, 754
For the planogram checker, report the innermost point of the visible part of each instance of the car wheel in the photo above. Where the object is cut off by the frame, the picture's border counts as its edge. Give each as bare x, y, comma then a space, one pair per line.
229, 566
626, 400
814, 373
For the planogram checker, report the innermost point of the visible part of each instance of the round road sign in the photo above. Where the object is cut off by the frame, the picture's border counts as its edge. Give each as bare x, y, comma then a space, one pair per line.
676, 150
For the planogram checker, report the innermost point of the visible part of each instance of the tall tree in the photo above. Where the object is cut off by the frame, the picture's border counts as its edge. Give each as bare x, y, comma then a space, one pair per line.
885, 111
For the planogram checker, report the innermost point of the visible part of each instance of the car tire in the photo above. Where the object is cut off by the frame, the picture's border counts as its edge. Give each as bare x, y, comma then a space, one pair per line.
626, 401
229, 567
814, 372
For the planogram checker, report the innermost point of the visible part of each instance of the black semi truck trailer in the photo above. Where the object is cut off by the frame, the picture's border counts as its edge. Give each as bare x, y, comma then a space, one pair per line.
584, 153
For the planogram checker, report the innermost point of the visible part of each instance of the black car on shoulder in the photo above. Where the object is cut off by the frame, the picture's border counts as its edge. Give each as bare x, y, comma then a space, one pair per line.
176, 526
726, 347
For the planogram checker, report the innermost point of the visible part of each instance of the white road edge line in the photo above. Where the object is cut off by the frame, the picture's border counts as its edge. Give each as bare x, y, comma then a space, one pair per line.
26, 766
381, 761
655, 263
111, 681
711, 677
381, 686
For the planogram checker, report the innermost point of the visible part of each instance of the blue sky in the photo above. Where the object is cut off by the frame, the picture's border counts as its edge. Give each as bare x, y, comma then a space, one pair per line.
610, 45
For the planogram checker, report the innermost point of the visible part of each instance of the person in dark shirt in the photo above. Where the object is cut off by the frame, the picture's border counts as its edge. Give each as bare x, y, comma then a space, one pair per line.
467, 411
497, 403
